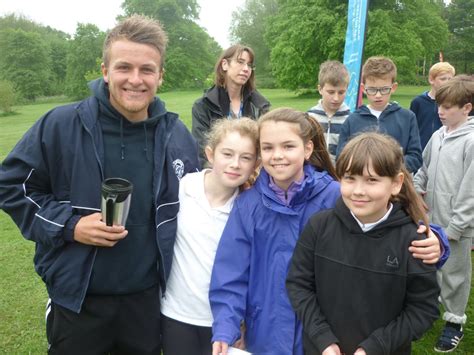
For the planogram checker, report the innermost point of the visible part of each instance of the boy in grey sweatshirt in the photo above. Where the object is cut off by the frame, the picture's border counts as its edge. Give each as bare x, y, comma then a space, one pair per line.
445, 183
331, 111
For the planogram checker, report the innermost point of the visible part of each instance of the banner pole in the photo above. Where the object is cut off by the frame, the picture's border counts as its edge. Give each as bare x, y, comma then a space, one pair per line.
357, 19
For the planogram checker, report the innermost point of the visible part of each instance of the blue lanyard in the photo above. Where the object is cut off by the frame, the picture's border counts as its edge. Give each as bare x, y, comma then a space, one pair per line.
241, 111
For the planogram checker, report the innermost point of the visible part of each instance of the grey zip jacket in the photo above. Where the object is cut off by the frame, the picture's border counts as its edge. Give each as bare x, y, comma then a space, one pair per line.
447, 176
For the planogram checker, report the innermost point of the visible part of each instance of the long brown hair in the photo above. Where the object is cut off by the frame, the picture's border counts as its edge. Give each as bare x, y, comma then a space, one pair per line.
386, 157
234, 52
310, 130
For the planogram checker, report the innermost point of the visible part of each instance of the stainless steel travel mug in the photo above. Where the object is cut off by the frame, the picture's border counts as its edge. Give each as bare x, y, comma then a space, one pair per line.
116, 197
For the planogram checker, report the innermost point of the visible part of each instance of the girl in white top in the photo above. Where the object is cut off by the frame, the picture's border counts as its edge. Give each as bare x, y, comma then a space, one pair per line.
206, 199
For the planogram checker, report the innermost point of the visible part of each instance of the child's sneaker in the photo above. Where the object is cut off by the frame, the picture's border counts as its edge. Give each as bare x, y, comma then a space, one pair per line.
449, 339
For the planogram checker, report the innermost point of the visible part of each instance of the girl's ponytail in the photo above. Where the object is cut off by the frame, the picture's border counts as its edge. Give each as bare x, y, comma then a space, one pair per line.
411, 200
320, 157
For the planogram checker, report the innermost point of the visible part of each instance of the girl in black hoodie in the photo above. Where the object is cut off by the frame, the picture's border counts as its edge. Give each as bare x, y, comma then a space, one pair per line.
352, 281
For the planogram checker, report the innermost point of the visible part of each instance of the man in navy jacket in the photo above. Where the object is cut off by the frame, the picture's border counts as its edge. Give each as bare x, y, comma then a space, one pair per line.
104, 281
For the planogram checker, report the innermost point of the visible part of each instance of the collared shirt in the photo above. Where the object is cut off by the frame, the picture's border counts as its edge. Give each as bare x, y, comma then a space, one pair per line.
368, 226
200, 228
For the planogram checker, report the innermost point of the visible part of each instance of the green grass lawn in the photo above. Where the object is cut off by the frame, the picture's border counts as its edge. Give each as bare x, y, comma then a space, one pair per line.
22, 294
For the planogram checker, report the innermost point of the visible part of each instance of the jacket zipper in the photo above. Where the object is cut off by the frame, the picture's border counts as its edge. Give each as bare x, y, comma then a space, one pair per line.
162, 264
328, 133
83, 295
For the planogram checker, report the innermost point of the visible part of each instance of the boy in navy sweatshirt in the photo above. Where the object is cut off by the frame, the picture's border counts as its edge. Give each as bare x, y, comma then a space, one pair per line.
424, 106
378, 83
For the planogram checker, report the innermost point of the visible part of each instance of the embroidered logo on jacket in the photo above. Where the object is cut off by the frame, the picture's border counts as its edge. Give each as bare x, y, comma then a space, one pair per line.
392, 261
178, 167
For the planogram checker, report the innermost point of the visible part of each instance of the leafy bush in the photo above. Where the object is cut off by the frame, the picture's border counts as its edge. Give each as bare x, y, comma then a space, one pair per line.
7, 96
266, 81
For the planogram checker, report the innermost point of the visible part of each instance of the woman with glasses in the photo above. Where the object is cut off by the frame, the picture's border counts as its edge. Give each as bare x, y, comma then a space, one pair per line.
233, 94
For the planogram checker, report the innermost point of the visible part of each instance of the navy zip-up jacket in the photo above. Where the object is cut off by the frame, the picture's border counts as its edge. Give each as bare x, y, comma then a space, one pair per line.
55, 173
426, 111
394, 121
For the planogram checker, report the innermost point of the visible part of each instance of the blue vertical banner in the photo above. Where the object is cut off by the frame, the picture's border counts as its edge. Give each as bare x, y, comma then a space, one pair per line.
354, 48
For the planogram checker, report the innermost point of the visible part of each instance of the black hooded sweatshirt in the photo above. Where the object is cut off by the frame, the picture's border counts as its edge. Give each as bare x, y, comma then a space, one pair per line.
131, 265
361, 289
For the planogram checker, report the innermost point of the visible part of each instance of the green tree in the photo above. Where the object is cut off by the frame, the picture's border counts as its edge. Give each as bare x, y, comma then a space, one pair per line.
84, 51
7, 96
412, 33
191, 51
248, 27
167, 11
58, 51
400, 43
191, 56
304, 33
460, 48
56, 46
24, 62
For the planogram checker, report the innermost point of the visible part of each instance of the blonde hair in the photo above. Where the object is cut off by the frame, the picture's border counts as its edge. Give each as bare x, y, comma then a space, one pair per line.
386, 157
441, 68
379, 67
138, 29
334, 73
244, 126
234, 51
310, 130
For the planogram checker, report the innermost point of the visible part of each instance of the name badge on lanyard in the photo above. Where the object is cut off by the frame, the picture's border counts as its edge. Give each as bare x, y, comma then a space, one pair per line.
241, 112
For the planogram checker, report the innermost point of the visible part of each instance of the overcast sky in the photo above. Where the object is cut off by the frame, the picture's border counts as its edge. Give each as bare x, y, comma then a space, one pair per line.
63, 15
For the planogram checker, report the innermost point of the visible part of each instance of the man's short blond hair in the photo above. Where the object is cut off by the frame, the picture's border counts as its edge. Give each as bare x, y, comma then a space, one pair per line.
138, 29
441, 68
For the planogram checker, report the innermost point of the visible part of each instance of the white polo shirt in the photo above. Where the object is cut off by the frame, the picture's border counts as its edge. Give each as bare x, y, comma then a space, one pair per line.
199, 230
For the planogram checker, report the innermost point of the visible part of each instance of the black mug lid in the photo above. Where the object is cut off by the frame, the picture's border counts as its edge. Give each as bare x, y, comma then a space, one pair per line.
122, 188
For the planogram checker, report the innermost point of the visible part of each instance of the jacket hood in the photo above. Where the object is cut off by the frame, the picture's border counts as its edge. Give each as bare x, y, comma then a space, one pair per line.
344, 110
100, 90
397, 217
392, 107
314, 183
426, 97
156, 110
466, 128
218, 97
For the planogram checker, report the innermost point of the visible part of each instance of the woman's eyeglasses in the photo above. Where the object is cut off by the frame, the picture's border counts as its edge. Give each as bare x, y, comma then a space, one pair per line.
243, 63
